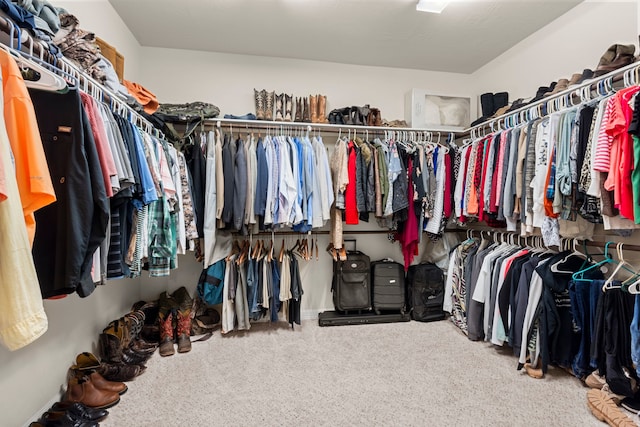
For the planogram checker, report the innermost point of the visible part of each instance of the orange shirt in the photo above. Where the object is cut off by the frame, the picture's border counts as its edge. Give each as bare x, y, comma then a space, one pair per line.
3, 183
32, 172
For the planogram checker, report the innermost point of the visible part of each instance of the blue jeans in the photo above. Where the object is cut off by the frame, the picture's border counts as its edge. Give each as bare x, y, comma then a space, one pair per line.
635, 335
248, 116
584, 300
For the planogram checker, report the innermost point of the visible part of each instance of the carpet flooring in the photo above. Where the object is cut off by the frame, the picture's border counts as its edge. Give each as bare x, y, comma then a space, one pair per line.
402, 374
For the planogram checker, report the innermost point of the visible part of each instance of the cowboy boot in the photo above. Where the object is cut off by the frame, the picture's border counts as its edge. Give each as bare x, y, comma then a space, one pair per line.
322, 109
184, 314
268, 105
166, 316
110, 348
288, 108
298, 110
313, 107
305, 112
280, 107
259, 99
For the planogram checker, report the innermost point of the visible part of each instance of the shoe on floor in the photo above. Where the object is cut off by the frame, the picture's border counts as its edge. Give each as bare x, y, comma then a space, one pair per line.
617, 398
605, 409
631, 404
594, 380
533, 372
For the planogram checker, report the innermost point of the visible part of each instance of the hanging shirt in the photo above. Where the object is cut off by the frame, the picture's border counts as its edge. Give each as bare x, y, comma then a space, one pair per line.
228, 170
351, 204
22, 315
252, 177
272, 180
287, 189
76, 225
3, 183
324, 178
210, 202
107, 164
239, 185
617, 128
219, 177
32, 173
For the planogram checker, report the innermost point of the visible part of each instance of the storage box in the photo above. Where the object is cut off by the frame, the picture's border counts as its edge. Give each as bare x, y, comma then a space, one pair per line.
423, 109
113, 56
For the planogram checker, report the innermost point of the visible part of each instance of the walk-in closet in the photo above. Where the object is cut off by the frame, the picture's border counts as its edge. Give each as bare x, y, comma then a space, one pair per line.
353, 212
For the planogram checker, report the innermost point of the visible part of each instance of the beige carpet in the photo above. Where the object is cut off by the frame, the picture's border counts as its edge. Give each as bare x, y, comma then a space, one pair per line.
403, 374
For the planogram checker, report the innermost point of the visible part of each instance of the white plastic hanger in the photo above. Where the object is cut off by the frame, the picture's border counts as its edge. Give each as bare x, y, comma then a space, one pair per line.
608, 284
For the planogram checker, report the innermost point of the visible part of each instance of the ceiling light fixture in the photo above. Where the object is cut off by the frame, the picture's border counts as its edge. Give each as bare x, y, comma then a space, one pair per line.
431, 6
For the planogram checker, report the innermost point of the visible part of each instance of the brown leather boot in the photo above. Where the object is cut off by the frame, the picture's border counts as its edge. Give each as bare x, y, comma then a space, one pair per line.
305, 112
166, 316
280, 107
87, 364
110, 348
259, 99
112, 386
298, 117
322, 109
313, 106
84, 391
120, 371
184, 314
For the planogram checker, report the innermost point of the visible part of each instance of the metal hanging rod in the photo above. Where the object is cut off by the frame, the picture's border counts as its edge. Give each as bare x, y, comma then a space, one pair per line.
38, 48
325, 127
591, 243
558, 101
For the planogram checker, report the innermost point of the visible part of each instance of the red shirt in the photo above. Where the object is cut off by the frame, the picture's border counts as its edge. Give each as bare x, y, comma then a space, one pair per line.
350, 202
447, 186
621, 116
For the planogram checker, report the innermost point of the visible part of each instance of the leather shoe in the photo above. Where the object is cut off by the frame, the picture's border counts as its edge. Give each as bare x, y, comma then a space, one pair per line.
78, 410
103, 384
64, 419
84, 391
120, 371
133, 357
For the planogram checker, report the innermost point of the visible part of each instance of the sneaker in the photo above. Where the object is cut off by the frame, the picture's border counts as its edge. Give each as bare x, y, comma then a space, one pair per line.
605, 409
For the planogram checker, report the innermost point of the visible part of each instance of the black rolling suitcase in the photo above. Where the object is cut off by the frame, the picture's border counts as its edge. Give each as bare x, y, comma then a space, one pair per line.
351, 285
425, 284
388, 285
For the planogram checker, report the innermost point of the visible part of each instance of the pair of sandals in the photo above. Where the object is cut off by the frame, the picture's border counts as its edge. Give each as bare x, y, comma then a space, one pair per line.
337, 254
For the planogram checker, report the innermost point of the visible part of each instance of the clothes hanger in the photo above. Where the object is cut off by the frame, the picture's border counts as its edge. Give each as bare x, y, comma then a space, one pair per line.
608, 284
557, 267
44, 79
579, 275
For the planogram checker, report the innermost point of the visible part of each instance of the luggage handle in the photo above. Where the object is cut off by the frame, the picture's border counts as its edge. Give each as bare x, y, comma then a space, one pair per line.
351, 241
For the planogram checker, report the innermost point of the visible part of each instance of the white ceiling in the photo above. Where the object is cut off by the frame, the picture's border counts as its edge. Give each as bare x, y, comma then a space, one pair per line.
391, 33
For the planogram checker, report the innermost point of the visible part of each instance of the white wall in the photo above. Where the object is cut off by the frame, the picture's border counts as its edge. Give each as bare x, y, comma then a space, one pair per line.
99, 17
568, 45
32, 376
228, 80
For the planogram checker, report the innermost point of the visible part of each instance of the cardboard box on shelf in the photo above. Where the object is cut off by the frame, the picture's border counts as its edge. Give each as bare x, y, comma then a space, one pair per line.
113, 56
